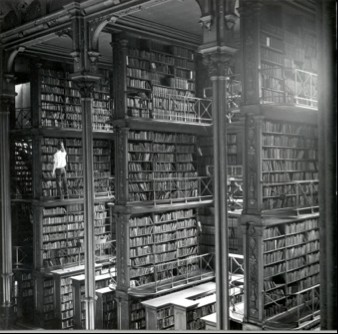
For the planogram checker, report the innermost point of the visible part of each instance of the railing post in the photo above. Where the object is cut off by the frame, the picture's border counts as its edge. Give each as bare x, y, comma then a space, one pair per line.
155, 276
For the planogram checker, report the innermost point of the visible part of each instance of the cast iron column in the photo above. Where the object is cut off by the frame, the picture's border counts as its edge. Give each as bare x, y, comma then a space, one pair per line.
7, 105
86, 91
217, 51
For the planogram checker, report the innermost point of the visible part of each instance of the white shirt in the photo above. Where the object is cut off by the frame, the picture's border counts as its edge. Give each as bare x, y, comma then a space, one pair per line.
60, 159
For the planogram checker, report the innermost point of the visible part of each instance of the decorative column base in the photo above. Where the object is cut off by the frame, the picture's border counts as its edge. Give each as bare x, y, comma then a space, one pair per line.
7, 316
123, 311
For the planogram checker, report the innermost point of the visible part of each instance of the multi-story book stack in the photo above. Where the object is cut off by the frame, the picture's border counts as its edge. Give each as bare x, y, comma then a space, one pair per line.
280, 215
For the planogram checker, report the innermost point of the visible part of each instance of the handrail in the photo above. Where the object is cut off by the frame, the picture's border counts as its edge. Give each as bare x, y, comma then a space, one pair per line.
23, 118
301, 194
308, 301
289, 86
159, 190
182, 109
173, 273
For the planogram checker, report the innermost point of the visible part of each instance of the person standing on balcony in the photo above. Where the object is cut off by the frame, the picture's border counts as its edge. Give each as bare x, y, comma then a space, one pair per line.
59, 170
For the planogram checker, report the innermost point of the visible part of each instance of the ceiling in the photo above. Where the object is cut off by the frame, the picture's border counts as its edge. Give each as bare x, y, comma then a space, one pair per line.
180, 16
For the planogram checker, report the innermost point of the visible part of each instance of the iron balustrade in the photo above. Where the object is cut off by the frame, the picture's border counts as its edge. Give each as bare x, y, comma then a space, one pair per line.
303, 311
233, 95
182, 109
173, 189
20, 255
298, 194
308, 301
168, 275
289, 86
23, 118
105, 249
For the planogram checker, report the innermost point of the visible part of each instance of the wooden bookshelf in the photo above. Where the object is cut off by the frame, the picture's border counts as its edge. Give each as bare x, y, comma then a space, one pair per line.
160, 83
106, 309
78, 290
63, 295
163, 312
288, 262
21, 173
160, 238
161, 180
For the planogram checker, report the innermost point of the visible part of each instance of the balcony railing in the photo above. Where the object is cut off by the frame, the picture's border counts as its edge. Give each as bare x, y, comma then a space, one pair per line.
23, 118
105, 249
303, 311
175, 189
299, 195
21, 257
233, 95
309, 304
289, 86
182, 109
172, 274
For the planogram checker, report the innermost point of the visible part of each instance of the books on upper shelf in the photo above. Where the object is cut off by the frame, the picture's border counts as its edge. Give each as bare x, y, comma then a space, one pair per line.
161, 84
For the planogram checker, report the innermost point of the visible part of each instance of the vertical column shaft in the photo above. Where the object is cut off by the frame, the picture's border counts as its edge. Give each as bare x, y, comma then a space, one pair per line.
220, 201
327, 166
6, 224
89, 240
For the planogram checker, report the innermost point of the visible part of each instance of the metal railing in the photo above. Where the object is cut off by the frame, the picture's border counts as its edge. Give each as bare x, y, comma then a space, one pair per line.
23, 118
296, 194
168, 275
19, 256
289, 86
182, 109
105, 249
308, 302
175, 189
233, 95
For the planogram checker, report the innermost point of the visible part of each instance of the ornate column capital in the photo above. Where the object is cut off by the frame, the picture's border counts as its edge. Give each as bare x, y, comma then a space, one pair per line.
85, 83
6, 103
218, 63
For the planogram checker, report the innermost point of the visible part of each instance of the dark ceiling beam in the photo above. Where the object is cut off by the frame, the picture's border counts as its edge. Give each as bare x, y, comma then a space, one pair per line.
146, 28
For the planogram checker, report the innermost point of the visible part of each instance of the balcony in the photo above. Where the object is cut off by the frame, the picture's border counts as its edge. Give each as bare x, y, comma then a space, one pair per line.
171, 190
303, 312
181, 109
289, 86
172, 275
300, 196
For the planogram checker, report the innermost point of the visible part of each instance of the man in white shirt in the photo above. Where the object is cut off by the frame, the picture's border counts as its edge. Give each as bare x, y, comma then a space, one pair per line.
59, 169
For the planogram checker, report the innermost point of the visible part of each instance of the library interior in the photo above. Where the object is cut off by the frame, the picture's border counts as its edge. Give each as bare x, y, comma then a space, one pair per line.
168, 165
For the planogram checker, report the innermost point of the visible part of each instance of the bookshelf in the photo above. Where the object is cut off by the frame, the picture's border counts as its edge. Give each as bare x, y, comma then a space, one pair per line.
160, 238
78, 292
161, 181
281, 173
63, 295
285, 164
73, 147
160, 83
60, 100
280, 166
162, 166
288, 262
164, 312
21, 173
289, 155
102, 109
288, 58
48, 110
44, 314
106, 309
23, 293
